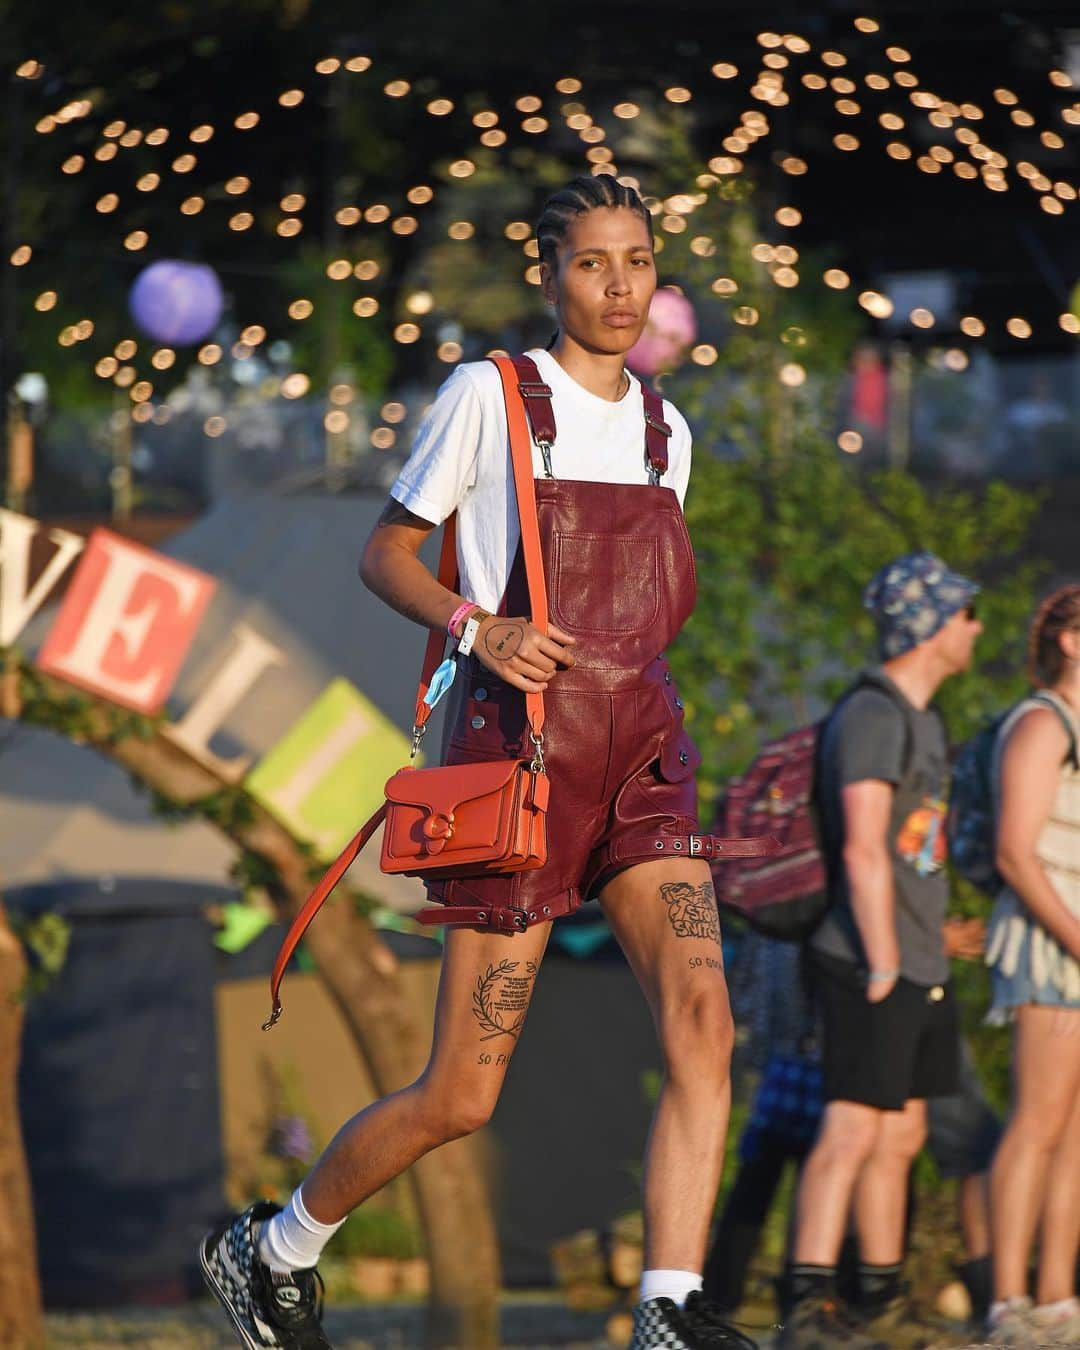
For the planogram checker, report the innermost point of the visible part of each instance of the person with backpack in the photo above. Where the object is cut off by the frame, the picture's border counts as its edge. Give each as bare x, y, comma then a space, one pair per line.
599, 503
890, 1036
1033, 951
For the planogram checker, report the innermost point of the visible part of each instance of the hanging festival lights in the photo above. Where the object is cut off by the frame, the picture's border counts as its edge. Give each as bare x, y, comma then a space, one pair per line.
987, 167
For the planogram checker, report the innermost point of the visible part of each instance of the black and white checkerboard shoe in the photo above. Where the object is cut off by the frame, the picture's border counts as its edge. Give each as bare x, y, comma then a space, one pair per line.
266, 1309
660, 1324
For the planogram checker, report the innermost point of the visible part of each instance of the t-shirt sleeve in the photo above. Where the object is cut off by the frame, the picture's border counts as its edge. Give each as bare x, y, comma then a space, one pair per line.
443, 465
870, 739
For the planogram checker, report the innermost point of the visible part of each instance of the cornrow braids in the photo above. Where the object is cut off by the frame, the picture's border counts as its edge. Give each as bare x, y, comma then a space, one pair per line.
1059, 612
582, 194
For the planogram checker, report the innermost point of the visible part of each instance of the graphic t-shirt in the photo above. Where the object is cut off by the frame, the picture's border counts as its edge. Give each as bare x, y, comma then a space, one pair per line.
461, 461
877, 734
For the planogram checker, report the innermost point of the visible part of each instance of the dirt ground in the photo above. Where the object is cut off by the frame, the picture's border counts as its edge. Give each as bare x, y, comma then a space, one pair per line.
526, 1325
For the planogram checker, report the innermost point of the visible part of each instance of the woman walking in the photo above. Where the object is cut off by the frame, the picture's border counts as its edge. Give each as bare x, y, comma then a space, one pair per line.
611, 463
1034, 954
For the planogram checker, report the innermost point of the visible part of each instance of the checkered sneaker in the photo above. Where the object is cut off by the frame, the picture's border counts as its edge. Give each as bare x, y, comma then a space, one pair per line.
266, 1309
660, 1325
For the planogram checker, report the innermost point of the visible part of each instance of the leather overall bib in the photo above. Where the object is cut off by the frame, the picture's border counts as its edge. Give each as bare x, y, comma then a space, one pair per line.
620, 578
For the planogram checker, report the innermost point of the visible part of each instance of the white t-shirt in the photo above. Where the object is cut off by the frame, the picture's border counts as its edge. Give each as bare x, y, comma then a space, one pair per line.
461, 460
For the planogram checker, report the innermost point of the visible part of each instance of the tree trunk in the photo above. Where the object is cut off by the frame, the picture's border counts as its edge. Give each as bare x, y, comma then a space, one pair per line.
453, 1199
21, 1325
360, 972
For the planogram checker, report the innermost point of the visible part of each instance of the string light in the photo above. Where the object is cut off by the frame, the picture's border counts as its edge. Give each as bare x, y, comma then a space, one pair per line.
768, 88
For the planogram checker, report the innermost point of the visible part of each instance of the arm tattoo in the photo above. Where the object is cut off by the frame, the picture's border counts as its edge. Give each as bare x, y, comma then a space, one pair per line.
501, 998
692, 909
502, 640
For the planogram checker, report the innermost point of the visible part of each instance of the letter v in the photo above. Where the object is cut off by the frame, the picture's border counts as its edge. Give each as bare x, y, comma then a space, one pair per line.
18, 605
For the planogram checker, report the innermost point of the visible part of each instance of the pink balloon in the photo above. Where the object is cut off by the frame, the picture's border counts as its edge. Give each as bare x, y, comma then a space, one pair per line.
670, 328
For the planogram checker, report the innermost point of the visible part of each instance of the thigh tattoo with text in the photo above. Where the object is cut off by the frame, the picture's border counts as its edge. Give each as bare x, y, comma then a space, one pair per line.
501, 998
692, 909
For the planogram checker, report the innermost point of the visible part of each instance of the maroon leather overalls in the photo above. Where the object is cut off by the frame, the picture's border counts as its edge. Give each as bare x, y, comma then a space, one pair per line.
620, 578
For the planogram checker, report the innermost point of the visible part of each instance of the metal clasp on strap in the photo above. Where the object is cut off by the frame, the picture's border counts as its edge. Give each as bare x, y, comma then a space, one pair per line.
657, 423
537, 763
530, 389
696, 845
545, 453
418, 734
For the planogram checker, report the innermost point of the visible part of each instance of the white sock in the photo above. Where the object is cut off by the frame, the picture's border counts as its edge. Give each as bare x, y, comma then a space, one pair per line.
672, 1284
1049, 1313
292, 1239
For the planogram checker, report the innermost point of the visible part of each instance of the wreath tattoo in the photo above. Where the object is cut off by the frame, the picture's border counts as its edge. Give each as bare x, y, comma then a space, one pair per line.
692, 909
501, 993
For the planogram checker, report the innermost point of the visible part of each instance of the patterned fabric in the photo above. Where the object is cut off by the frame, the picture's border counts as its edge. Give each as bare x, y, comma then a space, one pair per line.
660, 1325
913, 597
788, 1102
266, 1309
656, 1325
771, 1001
1027, 964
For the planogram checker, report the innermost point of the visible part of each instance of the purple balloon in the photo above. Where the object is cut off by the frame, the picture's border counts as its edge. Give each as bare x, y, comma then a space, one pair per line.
177, 303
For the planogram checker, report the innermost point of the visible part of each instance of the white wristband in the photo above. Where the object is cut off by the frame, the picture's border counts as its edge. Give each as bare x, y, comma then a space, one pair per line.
468, 637
882, 976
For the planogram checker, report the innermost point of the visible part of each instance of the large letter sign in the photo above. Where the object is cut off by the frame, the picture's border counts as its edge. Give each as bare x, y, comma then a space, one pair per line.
326, 774
19, 601
126, 622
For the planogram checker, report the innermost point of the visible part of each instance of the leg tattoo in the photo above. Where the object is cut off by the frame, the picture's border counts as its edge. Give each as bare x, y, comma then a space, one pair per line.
692, 909
501, 998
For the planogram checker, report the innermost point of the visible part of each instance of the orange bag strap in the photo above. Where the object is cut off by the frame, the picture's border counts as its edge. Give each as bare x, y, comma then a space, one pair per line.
525, 492
313, 904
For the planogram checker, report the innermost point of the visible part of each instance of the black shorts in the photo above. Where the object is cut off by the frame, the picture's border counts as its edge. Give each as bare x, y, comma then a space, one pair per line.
885, 1054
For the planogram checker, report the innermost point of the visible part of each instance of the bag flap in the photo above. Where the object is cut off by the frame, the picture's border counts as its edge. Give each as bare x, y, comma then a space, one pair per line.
444, 788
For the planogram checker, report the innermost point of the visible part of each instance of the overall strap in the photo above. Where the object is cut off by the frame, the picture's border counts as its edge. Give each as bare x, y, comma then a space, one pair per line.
657, 431
536, 394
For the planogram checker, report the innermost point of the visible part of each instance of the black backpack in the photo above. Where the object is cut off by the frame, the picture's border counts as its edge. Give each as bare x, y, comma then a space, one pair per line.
970, 825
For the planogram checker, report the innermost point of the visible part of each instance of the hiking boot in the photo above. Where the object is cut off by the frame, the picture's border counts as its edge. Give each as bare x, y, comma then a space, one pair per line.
821, 1322
660, 1324
265, 1308
904, 1327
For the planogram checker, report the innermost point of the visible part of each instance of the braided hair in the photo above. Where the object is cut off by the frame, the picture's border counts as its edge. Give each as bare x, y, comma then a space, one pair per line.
582, 194
1059, 612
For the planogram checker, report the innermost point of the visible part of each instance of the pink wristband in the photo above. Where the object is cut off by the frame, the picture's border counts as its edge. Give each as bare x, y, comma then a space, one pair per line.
462, 610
